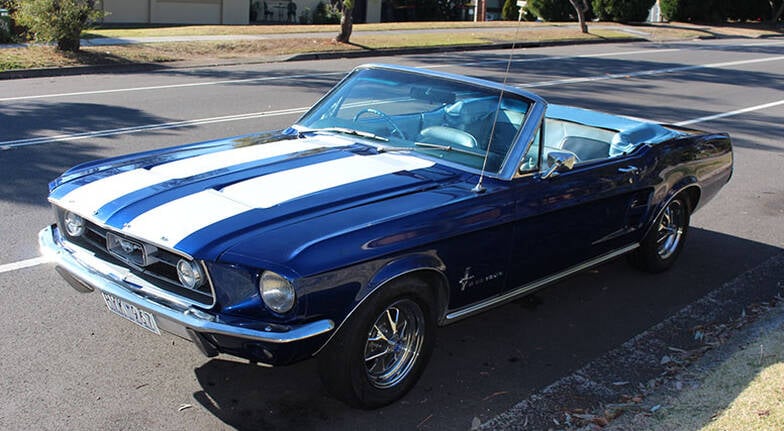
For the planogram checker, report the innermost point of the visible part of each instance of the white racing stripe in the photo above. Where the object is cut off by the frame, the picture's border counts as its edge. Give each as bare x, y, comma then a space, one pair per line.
86, 200
170, 223
273, 189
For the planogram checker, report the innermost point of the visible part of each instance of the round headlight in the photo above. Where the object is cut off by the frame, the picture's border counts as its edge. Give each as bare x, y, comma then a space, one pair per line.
276, 292
74, 224
189, 273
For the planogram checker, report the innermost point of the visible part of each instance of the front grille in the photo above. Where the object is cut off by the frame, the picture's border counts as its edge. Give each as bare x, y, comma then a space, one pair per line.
162, 271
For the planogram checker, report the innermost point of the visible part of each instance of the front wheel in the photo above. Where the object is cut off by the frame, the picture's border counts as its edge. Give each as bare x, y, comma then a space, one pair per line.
662, 245
382, 350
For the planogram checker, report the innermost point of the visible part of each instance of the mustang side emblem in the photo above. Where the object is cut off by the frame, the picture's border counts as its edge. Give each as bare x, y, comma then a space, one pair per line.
469, 280
467, 277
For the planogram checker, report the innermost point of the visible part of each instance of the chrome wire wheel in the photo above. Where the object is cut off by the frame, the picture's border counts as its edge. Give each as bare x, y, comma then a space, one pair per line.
394, 343
670, 229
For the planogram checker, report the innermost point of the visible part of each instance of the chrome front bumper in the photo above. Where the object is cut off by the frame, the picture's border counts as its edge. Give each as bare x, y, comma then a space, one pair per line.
86, 272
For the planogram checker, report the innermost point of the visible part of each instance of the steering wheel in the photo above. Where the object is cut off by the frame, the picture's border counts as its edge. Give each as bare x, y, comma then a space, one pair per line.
385, 117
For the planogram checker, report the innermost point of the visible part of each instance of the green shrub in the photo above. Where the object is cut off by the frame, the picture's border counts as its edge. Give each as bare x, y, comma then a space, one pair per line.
718, 10
7, 28
326, 14
743, 10
690, 10
60, 21
622, 10
552, 10
305, 16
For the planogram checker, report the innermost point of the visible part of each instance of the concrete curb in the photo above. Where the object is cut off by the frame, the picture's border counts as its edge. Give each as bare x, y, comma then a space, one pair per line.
141, 67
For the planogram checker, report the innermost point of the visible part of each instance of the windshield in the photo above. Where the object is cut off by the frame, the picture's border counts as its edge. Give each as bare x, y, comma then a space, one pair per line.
435, 116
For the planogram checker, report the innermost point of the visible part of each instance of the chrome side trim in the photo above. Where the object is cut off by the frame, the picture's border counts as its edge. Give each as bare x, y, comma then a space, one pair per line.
522, 290
174, 315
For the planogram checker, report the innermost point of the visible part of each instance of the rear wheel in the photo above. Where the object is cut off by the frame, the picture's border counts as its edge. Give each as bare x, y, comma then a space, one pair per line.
382, 350
661, 247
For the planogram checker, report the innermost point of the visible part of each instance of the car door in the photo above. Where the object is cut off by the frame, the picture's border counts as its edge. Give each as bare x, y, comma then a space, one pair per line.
573, 216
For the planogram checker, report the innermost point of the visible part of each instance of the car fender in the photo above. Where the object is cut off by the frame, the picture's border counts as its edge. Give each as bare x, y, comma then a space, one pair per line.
686, 184
408, 265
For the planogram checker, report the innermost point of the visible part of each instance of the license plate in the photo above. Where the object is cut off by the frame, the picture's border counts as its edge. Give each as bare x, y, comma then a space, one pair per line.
131, 312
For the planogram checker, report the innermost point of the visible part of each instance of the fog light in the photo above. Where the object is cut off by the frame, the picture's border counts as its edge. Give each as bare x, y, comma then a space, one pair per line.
190, 274
74, 224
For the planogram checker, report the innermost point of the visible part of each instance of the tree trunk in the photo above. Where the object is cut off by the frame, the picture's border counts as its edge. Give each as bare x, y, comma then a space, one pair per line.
581, 9
346, 24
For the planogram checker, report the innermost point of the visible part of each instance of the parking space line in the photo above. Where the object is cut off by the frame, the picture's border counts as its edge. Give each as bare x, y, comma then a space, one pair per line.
8, 267
161, 87
7, 145
730, 113
313, 75
650, 72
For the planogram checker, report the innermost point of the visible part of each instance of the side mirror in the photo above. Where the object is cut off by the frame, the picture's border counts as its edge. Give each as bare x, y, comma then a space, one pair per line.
559, 161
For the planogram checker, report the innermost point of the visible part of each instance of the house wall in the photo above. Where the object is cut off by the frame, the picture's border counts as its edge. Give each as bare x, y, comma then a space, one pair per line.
177, 11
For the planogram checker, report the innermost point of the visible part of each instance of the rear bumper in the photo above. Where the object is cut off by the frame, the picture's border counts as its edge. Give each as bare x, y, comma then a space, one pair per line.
267, 343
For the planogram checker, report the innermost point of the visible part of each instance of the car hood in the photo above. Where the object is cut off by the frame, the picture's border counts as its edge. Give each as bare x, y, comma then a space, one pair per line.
205, 200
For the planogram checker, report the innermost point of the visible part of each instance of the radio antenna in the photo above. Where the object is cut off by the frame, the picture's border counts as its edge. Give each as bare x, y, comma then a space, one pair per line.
479, 188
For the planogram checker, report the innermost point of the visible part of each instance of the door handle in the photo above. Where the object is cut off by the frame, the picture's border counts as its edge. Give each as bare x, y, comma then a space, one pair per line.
629, 170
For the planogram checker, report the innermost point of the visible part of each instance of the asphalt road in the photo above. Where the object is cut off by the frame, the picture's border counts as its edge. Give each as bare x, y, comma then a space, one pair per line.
66, 363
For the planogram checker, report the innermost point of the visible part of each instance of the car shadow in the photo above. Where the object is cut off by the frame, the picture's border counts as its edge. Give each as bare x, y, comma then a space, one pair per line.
28, 169
484, 365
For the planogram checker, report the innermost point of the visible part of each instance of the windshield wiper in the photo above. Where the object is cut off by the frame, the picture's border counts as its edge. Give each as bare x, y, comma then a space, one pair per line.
447, 148
347, 131
362, 134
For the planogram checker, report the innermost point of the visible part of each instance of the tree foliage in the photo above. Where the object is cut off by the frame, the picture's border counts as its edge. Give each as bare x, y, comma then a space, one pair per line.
510, 11
720, 10
60, 21
325, 14
622, 10
552, 10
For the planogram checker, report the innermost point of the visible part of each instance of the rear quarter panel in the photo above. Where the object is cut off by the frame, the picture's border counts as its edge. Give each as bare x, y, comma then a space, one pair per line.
700, 162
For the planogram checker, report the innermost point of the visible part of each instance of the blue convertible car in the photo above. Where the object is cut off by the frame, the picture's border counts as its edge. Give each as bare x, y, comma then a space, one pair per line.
403, 200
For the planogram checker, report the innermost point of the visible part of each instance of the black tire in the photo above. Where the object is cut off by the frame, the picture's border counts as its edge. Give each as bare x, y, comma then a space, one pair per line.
399, 353
663, 244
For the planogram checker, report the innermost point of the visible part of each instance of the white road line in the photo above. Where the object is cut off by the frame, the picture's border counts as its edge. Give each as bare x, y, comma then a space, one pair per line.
8, 267
730, 113
767, 43
161, 87
6, 145
41, 260
645, 72
313, 75
562, 57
